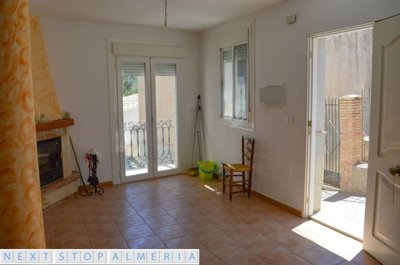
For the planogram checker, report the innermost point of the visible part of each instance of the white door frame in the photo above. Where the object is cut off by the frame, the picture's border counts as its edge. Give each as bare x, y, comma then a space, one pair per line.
140, 50
311, 114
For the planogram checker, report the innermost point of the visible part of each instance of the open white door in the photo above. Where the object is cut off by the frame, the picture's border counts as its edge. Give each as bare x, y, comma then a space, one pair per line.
382, 218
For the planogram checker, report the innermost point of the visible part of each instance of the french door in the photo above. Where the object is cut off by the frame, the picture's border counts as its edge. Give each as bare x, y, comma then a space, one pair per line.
148, 123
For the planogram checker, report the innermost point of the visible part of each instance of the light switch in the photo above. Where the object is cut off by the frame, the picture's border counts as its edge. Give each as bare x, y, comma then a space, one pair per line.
291, 19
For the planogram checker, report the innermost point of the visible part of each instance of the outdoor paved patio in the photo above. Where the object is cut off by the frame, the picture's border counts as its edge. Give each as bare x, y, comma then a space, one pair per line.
343, 211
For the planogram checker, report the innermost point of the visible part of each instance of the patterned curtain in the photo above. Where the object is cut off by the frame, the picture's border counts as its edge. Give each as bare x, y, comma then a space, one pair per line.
21, 219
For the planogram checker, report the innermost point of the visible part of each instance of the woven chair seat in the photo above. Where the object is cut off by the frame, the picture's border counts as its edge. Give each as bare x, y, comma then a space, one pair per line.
236, 167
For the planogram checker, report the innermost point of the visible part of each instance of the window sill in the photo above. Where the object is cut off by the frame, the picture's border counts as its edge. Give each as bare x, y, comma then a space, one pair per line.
236, 124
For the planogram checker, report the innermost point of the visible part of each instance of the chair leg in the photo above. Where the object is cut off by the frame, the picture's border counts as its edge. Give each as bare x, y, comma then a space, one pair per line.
250, 180
223, 179
244, 181
230, 185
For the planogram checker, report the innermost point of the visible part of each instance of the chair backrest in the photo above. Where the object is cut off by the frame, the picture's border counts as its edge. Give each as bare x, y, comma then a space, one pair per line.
247, 151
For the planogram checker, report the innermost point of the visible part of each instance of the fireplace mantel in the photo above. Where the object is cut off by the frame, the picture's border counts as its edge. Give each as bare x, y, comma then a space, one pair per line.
56, 124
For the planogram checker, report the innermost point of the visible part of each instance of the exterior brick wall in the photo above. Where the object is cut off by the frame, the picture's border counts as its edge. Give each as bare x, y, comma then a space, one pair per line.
351, 138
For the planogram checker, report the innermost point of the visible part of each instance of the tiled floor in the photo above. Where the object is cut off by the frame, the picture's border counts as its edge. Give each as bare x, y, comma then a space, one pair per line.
344, 211
183, 212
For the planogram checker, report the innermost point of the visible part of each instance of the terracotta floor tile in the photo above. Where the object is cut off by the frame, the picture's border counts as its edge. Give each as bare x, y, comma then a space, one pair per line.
140, 205
171, 204
184, 242
240, 256
183, 212
221, 244
134, 232
125, 211
127, 221
57, 218
318, 255
207, 233
49, 240
146, 242
363, 258
79, 241
95, 218
160, 221
96, 232
169, 232
259, 244
65, 230
152, 212
113, 242
294, 242
239, 231
208, 258
275, 254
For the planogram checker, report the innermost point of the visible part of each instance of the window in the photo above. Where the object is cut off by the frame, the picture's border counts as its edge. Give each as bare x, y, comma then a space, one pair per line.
234, 83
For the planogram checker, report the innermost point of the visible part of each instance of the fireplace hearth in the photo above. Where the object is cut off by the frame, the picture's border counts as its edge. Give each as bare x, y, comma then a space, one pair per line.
50, 160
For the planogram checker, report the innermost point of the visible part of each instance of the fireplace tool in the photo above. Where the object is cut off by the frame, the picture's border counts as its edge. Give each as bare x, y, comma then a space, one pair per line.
92, 160
80, 172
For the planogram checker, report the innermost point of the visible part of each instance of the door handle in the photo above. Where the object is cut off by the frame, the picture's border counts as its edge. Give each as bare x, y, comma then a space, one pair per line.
321, 132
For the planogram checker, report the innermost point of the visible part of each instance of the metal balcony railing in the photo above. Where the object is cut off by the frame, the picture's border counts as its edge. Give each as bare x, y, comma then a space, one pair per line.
136, 144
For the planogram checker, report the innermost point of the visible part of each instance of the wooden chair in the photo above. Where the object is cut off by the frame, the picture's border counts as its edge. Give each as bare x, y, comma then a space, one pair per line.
239, 175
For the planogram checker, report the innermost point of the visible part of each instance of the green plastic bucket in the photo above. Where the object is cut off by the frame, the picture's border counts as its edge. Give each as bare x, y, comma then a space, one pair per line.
206, 170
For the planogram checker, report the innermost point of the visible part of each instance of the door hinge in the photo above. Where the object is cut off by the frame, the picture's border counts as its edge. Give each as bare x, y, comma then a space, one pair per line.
309, 123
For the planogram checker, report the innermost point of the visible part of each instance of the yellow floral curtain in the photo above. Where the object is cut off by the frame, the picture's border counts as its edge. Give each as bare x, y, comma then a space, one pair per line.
21, 219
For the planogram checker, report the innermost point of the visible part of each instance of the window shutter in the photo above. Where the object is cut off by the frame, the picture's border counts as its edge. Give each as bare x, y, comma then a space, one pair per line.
165, 69
135, 69
227, 54
241, 52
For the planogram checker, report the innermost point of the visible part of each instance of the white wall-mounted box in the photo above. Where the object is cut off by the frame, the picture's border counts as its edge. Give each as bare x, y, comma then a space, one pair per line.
272, 96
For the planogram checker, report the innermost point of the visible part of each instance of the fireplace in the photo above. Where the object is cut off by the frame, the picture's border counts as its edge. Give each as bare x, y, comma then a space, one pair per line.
58, 180
50, 160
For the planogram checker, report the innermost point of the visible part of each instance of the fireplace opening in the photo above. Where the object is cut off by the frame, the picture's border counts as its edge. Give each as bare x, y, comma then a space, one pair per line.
50, 161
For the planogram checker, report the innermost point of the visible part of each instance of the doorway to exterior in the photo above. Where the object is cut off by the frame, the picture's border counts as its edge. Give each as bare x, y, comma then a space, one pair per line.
147, 116
341, 70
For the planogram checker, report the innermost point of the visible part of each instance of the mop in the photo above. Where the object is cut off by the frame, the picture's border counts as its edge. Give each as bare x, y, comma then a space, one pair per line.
194, 171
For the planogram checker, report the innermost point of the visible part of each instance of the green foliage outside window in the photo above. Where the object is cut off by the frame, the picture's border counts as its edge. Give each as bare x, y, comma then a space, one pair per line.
129, 85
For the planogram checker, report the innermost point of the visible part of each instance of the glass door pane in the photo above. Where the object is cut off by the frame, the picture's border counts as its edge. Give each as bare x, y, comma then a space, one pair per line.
134, 118
165, 90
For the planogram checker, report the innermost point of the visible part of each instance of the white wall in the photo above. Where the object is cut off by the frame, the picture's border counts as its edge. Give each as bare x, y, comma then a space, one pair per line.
280, 58
77, 53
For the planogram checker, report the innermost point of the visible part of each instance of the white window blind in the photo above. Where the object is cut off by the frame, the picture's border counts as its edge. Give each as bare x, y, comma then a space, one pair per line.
165, 69
134, 69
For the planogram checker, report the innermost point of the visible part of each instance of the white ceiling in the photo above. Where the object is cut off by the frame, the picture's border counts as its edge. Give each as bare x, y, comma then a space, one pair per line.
193, 15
